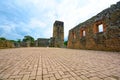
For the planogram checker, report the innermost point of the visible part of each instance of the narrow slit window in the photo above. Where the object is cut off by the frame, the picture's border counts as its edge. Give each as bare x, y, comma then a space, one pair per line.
100, 28
84, 33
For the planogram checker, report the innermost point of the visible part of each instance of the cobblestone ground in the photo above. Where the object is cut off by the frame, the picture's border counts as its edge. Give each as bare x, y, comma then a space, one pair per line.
58, 64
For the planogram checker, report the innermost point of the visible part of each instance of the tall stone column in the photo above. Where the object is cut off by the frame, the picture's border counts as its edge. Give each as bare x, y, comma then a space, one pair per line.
58, 34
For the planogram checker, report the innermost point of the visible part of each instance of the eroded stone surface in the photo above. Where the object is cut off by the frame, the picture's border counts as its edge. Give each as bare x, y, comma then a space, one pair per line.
108, 39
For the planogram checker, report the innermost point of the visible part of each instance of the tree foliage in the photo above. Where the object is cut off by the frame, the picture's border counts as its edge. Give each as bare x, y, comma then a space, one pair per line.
12, 41
29, 39
19, 41
65, 43
2, 38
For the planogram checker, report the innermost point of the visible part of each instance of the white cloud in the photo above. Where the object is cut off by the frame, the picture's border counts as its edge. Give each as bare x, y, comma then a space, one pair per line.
8, 31
72, 13
42, 14
36, 23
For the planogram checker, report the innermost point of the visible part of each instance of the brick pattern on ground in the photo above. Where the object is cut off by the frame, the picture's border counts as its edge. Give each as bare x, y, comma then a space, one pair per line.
58, 64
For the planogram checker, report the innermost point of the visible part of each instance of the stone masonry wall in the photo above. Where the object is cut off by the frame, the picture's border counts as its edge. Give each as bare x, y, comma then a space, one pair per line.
58, 34
6, 44
87, 35
42, 42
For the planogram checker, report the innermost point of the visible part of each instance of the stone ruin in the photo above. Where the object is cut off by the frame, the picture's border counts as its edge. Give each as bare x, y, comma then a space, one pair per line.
58, 34
56, 41
6, 44
58, 37
101, 32
42, 42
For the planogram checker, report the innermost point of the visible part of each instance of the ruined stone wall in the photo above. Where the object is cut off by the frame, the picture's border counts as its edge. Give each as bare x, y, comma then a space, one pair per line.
58, 34
42, 42
87, 35
25, 44
6, 44
51, 42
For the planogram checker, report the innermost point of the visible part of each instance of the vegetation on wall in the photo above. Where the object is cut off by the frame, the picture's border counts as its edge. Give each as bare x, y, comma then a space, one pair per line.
4, 43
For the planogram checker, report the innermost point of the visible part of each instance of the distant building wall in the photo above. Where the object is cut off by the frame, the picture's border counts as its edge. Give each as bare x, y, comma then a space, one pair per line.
42, 42
51, 42
25, 44
101, 32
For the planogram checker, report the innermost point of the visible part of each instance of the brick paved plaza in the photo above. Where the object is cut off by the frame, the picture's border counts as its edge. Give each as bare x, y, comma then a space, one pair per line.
58, 64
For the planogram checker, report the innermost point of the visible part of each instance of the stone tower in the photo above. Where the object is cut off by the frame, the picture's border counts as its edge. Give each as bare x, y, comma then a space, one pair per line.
58, 34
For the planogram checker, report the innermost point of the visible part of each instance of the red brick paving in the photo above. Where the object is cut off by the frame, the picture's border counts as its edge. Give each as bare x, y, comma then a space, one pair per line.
58, 64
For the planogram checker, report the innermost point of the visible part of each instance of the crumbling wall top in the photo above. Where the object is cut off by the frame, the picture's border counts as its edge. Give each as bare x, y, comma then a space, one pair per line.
58, 23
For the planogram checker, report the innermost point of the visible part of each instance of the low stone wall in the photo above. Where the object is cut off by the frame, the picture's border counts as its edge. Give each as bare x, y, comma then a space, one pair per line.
87, 35
6, 44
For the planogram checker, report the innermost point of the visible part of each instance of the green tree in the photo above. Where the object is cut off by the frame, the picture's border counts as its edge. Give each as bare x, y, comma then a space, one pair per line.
19, 40
65, 43
12, 41
2, 38
29, 39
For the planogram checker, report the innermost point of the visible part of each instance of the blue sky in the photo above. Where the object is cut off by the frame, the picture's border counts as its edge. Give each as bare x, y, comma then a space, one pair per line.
36, 17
